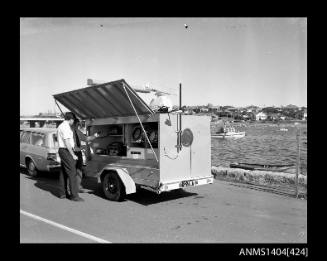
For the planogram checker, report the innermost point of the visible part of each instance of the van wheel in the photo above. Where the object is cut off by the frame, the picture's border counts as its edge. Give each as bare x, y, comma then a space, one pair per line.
32, 171
112, 187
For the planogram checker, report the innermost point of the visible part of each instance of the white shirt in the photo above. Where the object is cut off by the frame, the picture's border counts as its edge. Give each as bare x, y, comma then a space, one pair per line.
64, 132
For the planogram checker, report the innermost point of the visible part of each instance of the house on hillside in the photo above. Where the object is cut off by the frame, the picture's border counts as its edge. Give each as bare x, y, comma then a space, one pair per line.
273, 116
204, 109
189, 111
214, 109
261, 116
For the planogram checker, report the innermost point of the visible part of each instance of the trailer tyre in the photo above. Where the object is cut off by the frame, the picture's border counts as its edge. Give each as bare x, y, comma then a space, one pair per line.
112, 187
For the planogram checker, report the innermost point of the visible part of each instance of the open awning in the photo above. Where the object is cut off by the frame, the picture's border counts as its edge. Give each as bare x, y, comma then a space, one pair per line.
103, 101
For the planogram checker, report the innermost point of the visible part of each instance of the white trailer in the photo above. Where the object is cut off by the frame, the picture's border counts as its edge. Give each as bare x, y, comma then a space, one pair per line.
137, 147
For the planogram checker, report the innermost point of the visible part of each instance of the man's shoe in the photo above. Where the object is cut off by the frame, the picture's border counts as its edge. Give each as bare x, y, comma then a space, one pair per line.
77, 199
82, 191
62, 196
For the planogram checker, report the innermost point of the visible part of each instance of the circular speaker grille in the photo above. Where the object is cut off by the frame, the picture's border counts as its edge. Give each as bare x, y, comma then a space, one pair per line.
187, 137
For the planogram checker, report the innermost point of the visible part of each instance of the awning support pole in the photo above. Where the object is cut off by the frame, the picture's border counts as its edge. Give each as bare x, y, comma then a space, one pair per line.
62, 114
146, 135
141, 101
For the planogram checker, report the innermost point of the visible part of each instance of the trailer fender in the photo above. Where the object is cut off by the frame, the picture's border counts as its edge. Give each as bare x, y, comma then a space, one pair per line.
128, 182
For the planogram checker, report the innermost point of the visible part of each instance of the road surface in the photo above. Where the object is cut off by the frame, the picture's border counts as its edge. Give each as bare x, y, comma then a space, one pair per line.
222, 212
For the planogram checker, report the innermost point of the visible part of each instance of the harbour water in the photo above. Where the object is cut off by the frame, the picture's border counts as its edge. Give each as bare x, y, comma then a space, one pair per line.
264, 143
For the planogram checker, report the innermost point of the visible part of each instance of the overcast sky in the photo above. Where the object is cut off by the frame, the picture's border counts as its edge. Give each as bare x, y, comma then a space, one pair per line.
223, 61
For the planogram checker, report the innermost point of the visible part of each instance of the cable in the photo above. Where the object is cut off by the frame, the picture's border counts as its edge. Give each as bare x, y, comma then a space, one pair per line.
166, 154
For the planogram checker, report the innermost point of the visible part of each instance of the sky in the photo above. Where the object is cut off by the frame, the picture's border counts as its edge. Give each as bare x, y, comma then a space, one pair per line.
222, 61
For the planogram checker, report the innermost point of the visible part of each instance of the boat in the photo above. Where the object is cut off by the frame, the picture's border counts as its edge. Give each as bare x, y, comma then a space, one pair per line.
229, 133
283, 129
290, 168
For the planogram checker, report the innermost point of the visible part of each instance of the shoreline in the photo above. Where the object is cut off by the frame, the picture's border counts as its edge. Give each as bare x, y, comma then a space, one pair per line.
279, 180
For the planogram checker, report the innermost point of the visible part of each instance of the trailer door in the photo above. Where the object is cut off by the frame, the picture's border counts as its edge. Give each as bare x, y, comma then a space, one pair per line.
194, 159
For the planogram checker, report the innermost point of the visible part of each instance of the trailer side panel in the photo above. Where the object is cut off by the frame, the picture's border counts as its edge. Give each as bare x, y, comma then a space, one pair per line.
193, 161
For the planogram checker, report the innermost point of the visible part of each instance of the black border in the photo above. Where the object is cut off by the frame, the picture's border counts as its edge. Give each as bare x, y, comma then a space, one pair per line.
156, 250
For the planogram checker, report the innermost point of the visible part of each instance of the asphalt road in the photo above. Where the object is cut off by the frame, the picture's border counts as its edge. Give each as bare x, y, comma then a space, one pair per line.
222, 212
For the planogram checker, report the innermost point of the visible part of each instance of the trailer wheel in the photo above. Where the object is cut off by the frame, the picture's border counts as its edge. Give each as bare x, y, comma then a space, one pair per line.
112, 187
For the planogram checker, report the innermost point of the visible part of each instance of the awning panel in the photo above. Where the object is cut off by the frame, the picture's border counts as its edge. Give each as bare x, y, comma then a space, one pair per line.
103, 101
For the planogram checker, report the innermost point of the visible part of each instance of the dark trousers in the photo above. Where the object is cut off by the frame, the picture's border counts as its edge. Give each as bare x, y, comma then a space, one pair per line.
79, 169
68, 172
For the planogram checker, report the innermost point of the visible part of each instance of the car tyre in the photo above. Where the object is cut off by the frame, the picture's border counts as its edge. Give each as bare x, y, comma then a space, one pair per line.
112, 187
31, 168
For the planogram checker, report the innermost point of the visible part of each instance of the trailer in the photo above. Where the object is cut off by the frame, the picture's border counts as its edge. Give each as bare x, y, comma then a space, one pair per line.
138, 148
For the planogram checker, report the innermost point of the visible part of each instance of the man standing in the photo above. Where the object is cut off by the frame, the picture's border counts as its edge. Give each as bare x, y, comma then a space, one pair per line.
68, 158
81, 142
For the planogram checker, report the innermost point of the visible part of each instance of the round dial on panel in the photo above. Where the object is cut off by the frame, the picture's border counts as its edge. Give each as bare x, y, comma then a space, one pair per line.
137, 133
153, 136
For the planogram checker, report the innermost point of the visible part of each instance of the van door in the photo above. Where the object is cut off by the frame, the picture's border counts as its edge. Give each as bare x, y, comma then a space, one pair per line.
39, 151
24, 145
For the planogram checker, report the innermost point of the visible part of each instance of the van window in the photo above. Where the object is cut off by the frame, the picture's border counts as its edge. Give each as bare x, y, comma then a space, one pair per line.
26, 137
54, 140
38, 139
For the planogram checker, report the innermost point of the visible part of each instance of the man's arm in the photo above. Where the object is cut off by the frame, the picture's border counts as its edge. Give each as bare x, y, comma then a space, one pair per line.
70, 149
96, 135
90, 138
85, 138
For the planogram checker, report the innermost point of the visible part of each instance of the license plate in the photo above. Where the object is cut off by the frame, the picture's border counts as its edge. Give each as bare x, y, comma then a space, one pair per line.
188, 183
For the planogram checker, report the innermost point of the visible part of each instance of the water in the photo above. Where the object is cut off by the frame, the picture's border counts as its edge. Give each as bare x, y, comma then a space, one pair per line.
263, 144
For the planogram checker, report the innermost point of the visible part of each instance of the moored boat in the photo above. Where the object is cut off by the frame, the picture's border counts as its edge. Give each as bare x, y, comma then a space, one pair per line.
290, 168
229, 133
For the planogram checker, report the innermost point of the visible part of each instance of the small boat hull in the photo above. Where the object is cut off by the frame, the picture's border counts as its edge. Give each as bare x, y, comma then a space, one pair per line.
229, 135
276, 168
